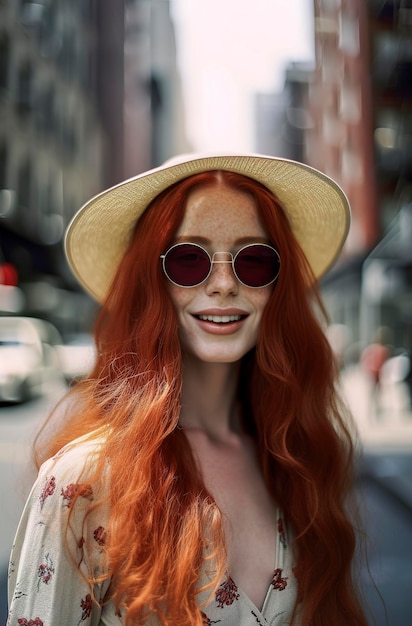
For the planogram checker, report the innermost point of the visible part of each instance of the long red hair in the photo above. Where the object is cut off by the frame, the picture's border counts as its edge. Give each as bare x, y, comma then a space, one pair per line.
162, 519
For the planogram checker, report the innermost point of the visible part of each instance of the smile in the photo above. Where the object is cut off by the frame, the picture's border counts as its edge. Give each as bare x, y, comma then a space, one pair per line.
220, 319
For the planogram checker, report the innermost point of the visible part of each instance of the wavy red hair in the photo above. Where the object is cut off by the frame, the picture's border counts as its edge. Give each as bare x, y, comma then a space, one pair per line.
159, 507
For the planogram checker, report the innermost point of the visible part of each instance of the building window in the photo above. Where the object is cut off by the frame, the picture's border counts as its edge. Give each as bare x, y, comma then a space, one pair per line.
350, 102
67, 54
49, 35
351, 167
392, 64
3, 166
332, 67
24, 183
393, 142
4, 60
7, 195
349, 34
45, 111
32, 13
24, 89
50, 219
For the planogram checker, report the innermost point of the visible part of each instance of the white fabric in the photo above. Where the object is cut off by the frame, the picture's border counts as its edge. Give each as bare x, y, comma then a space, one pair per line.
46, 586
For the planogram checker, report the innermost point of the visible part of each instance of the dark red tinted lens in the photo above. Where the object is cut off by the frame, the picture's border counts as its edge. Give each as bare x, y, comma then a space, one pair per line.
187, 264
257, 265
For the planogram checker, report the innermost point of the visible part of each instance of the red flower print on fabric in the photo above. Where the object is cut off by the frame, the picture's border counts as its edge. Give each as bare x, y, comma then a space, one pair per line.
76, 490
30, 622
282, 532
100, 535
45, 571
48, 490
278, 582
86, 607
227, 593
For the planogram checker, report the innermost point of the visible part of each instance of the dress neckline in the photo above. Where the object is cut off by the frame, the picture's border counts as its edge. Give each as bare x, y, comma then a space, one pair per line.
229, 588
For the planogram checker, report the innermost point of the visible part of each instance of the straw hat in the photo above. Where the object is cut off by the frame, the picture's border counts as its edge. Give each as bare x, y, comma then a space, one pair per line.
99, 233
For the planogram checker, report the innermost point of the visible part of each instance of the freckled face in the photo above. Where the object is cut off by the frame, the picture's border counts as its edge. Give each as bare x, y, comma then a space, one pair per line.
219, 319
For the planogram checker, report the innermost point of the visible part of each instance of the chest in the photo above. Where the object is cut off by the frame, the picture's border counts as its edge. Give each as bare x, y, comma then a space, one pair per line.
234, 479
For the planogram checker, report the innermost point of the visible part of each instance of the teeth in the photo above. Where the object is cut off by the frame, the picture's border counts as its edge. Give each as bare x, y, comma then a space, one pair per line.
220, 319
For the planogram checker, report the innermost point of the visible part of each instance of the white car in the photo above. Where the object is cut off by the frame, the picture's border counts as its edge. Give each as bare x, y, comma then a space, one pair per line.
28, 360
76, 357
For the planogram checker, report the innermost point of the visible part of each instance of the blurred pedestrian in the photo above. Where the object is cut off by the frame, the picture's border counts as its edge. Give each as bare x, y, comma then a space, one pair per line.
203, 472
372, 359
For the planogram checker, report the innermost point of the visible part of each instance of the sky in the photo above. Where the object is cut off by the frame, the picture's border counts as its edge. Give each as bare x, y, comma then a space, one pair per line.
229, 49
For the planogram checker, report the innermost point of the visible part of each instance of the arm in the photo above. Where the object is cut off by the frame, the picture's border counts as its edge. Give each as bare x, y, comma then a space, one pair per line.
48, 559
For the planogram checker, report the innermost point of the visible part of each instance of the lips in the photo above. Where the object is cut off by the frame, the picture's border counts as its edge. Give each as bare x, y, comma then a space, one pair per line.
220, 321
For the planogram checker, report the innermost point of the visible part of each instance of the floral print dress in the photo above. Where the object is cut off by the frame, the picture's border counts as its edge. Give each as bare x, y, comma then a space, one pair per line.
51, 557
230, 606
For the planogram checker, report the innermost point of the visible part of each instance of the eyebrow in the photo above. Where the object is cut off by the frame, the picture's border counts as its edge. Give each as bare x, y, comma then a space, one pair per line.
205, 241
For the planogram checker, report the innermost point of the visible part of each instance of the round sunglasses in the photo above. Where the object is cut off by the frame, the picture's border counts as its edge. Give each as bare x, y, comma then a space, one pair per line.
188, 264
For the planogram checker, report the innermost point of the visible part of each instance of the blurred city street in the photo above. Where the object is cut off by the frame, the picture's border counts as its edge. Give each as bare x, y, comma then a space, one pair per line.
384, 488
385, 421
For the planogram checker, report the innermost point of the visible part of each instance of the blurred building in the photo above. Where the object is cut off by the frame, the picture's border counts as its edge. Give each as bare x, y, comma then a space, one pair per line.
269, 110
341, 141
386, 294
89, 95
360, 102
141, 93
351, 117
51, 141
282, 120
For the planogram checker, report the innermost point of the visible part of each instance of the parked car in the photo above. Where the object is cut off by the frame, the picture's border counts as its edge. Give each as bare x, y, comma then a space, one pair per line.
28, 359
76, 357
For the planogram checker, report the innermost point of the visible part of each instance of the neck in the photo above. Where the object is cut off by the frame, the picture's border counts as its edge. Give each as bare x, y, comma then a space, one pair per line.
209, 401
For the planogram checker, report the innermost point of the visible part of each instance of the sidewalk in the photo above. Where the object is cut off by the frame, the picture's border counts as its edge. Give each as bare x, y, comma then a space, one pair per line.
384, 421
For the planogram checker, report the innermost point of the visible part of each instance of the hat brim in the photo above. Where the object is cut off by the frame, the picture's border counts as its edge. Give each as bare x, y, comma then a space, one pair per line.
99, 233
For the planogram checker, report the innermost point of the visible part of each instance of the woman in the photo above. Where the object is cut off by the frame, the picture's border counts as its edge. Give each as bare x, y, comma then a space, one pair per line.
202, 474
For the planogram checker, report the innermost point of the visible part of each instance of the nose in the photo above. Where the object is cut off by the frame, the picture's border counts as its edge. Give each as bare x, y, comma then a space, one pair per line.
222, 279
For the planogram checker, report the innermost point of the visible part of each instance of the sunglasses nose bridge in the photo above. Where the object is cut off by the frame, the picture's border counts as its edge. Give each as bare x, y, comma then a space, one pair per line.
222, 259
219, 257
